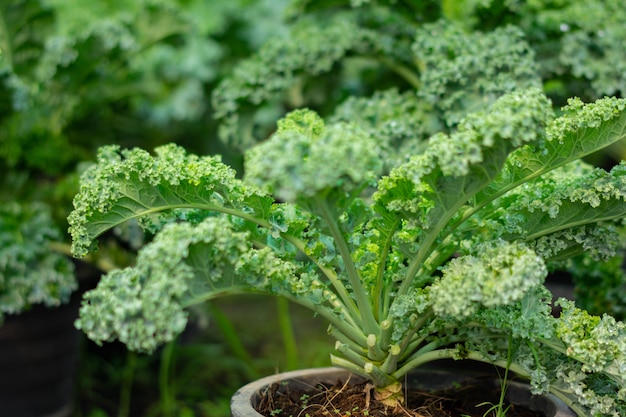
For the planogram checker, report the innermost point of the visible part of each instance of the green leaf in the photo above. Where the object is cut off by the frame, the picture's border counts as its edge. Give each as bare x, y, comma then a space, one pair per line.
131, 184
430, 189
338, 159
492, 275
582, 130
187, 264
464, 72
30, 272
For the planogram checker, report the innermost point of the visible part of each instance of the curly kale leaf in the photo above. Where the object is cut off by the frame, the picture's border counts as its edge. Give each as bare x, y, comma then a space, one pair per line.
595, 377
585, 39
184, 265
464, 72
431, 187
72, 67
580, 131
321, 159
495, 274
568, 210
132, 184
312, 48
30, 273
579, 45
398, 121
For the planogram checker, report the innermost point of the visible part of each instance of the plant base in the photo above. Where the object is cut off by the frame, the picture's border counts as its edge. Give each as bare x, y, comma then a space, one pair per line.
247, 399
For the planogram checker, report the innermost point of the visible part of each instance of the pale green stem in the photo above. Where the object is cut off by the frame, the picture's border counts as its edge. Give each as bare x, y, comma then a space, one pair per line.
423, 358
352, 313
569, 401
386, 330
365, 309
426, 247
351, 355
342, 338
343, 326
417, 261
348, 365
594, 220
407, 345
378, 378
381, 311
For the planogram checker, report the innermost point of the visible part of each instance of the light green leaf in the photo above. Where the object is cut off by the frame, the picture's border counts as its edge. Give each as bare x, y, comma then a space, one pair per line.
580, 131
131, 184
431, 188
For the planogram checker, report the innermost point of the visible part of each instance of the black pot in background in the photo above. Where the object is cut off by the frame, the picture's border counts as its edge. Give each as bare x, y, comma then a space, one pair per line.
39, 352
247, 397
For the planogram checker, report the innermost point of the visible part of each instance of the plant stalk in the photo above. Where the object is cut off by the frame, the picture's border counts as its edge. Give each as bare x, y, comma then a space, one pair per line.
365, 309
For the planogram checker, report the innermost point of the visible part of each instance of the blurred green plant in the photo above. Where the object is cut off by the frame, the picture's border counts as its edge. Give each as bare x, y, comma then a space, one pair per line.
30, 271
76, 75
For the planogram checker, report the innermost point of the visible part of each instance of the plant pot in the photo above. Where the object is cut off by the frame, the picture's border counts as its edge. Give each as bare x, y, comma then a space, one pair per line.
38, 355
246, 398
39, 352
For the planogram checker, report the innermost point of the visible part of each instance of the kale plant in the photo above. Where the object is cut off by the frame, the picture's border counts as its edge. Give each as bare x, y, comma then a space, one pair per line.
444, 256
418, 210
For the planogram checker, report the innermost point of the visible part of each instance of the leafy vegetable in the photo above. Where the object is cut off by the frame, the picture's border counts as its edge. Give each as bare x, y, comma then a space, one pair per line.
435, 58
444, 256
578, 44
418, 208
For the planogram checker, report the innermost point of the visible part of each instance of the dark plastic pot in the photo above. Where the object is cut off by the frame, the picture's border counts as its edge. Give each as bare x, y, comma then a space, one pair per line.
245, 399
39, 351
38, 356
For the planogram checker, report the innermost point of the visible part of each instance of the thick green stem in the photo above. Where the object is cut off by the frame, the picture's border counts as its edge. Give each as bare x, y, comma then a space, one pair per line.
347, 302
373, 373
449, 353
571, 402
365, 309
381, 310
341, 337
355, 333
350, 355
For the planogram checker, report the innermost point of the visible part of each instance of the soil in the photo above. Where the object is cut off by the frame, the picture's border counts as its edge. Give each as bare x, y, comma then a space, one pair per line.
473, 399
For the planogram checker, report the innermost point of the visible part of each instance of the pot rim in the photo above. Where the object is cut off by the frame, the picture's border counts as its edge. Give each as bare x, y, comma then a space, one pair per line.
243, 401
